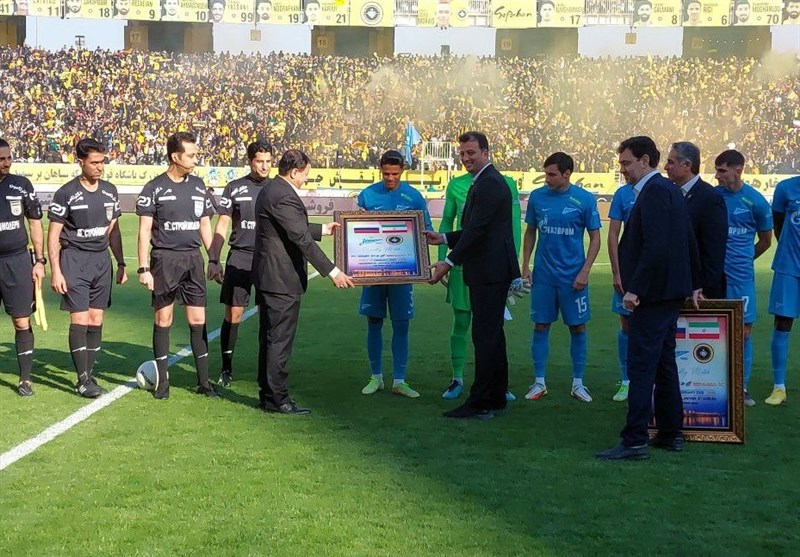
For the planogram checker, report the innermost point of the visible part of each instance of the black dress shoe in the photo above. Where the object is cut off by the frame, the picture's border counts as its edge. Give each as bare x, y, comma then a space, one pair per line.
621, 452
292, 409
674, 444
465, 412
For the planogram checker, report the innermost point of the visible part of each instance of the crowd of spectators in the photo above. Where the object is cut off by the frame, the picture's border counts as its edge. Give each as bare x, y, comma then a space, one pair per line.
345, 111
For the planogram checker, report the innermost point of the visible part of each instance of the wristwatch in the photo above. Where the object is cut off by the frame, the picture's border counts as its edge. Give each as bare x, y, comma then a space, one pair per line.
121, 264
214, 261
142, 270
42, 260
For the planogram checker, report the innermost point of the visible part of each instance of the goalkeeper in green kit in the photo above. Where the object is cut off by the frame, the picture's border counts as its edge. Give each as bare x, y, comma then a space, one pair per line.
457, 291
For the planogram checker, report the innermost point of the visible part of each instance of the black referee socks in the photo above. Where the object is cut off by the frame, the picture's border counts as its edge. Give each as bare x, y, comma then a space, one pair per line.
77, 348
198, 338
23, 341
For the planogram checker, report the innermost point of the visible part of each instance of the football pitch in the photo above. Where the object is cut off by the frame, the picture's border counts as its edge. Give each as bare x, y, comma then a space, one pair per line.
378, 475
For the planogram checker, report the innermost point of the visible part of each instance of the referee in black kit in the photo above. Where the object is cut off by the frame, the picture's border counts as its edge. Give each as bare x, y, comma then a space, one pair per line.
237, 205
83, 217
175, 218
17, 272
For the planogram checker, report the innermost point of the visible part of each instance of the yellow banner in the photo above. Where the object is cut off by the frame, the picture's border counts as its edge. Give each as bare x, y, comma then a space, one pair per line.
657, 13
514, 14
145, 10
372, 13
426, 13
707, 13
351, 179
7, 7
88, 9
286, 11
231, 11
42, 8
757, 12
560, 13
332, 13
190, 11
459, 13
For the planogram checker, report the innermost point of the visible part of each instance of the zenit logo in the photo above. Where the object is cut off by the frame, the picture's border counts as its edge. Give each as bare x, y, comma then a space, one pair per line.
372, 13
703, 353
394, 240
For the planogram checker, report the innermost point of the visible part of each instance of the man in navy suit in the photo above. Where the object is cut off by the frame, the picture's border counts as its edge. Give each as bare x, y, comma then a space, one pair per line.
707, 212
485, 249
659, 269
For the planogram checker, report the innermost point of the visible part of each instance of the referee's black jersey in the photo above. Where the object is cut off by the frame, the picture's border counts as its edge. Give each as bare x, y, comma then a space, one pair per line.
176, 208
17, 202
85, 214
238, 201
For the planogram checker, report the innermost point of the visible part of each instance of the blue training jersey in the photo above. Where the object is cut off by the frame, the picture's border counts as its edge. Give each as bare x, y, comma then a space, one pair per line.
748, 213
560, 220
622, 203
404, 198
787, 201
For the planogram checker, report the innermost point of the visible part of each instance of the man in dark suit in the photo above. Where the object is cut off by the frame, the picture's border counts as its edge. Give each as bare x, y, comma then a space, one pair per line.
285, 244
484, 247
707, 213
659, 269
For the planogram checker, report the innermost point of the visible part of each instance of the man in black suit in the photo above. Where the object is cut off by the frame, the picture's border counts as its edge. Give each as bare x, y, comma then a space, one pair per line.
484, 247
659, 269
285, 244
708, 215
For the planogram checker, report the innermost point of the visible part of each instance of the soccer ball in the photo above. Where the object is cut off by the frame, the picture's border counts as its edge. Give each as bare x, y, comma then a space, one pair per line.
147, 375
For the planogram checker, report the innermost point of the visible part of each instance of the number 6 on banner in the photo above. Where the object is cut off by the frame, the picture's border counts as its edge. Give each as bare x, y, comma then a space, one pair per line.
40, 316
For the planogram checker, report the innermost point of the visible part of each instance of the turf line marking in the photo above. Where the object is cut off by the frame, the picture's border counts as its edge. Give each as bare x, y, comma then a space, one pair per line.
27, 447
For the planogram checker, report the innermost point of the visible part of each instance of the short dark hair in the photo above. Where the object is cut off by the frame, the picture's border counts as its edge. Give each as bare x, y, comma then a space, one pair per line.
259, 146
688, 152
4, 143
86, 146
562, 160
175, 143
641, 145
392, 157
731, 157
212, 2
478, 137
291, 159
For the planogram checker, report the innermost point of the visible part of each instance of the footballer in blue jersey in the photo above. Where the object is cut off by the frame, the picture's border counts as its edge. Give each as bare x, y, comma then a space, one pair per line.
390, 194
784, 298
749, 215
559, 214
621, 205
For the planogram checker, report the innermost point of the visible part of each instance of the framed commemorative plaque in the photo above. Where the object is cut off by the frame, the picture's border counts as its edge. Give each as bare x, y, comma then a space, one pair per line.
709, 350
386, 247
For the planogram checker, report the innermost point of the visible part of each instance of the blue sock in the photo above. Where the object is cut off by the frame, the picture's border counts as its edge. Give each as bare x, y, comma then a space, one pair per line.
748, 360
540, 345
622, 351
399, 348
780, 352
577, 349
375, 346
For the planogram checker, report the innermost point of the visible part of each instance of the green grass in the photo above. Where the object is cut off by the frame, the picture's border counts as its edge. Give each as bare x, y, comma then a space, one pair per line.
380, 475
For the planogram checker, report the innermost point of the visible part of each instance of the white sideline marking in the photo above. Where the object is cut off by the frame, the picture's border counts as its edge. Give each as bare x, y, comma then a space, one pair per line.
27, 447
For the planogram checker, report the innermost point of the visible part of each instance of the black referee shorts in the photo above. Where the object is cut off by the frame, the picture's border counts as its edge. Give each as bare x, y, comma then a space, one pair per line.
16, 284
89, 278
178, 275
237, 284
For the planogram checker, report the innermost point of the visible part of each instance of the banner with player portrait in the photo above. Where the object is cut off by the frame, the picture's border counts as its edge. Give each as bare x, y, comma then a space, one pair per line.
189, 11
560, 13
656, 13
757, 12
372, 13
459, 13
514, 14
143, 10
333, 13
40, 8
285, 11
231, 11
791, 12
88, 9
706, 13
